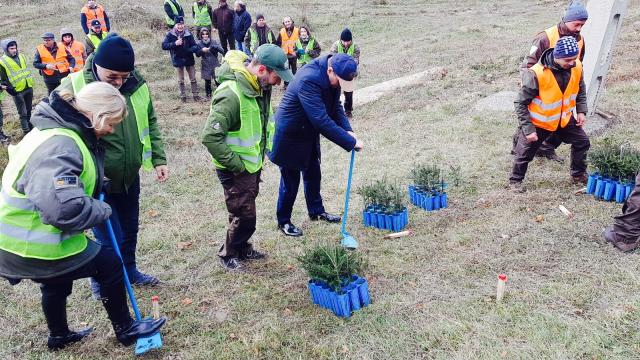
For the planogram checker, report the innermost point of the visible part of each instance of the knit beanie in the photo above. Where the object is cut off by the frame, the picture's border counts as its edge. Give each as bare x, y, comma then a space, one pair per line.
346, 35
566, 47
115, 53
575, 11
259, 16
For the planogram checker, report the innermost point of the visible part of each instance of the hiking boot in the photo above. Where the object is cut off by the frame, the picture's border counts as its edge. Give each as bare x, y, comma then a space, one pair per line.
183, 92
252, 255
517, 187
326, 217
609, 235
4, 138
128, 335
59, 342
230, 263
626, 247
551, 155
141, 279
349, 114
290, 230
195, 91
580, 179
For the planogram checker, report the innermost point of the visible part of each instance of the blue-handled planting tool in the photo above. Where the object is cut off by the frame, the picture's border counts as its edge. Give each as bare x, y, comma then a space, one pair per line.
144, 344
348, 241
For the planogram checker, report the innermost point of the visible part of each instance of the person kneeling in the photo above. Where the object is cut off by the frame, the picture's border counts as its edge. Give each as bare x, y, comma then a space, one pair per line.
48, 200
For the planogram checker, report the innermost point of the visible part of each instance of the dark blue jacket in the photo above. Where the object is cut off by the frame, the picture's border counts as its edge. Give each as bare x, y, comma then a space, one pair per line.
181, 55
310, 107
241, 23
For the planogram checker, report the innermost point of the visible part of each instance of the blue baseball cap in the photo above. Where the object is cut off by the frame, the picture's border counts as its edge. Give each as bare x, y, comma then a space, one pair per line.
346, 68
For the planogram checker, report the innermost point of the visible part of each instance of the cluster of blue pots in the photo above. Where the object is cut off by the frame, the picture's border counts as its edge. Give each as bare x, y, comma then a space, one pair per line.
375, 216
608, 189
352, 297
429, 200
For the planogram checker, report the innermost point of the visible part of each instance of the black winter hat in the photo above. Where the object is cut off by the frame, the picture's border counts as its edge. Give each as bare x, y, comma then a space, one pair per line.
115, 53
346, 35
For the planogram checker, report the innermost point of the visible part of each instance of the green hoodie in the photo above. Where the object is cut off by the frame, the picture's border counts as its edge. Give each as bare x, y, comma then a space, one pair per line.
224, 114
123, 157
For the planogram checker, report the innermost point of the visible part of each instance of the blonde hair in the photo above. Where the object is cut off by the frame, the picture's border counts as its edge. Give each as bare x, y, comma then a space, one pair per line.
100, 99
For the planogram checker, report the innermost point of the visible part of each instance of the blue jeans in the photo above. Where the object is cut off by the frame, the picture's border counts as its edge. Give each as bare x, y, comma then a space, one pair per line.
289, 184
240, 46
124, 219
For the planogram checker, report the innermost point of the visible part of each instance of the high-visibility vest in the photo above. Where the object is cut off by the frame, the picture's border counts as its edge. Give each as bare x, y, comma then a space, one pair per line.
22, 231
255, 39
201, 17
140, 101
306, 58
95, 40
289, 42
554, 35
19, 76
60, 60
350, 51
92, 14
552, 107
246, 141
77, 51
174, 10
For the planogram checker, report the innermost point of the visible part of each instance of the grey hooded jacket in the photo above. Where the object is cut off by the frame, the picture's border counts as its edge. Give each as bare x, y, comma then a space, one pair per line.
64, 206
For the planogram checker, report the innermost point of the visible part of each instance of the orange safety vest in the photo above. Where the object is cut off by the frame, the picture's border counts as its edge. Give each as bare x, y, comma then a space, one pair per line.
554, 35
77, 51
97, 13
551, 107
289, 42
60, 61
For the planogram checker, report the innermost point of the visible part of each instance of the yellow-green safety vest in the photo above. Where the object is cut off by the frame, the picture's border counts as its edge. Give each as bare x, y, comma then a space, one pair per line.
246, 141
19, 76
350, 51
140, 101
201, 15
174, 10
255, 39
95, 40
22, 231
306, 58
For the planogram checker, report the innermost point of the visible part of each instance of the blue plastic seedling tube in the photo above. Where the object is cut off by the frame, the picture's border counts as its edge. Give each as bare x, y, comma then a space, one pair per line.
363, 292
620, 192
335, 307
627, 190
599, 191
325, 299
444, 201
609, 190
344, 304
381, 221
591, 183
354, 297
366, 217
429, 203
436, 201
388, 222
313, 291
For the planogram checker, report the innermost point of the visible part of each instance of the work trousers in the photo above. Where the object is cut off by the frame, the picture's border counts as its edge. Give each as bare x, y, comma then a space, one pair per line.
24, 102
348, 101
240, 193
571, 134
293, 64
627, 225
549, 146
106, 268
227, 39
289, 184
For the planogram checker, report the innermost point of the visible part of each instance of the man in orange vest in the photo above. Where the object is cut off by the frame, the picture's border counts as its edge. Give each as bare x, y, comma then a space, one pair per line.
572, 22
287, 38
53, 61
75, 48
551, 91
93, 11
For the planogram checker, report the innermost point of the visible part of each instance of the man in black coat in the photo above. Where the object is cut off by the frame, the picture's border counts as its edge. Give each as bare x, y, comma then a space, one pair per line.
223, 22
310, 107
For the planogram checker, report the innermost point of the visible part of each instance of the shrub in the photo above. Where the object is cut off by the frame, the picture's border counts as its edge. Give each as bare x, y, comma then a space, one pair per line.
615, 159
428, 177
384, 194
332, 264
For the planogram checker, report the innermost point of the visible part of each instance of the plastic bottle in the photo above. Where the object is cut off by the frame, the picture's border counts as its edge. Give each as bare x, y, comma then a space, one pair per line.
155, 307
502, 283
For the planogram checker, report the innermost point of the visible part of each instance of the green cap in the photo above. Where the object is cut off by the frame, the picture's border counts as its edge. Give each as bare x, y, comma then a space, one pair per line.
274, 59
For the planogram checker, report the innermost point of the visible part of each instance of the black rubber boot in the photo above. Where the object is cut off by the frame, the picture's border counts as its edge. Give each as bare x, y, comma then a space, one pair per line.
59, 342
130, 333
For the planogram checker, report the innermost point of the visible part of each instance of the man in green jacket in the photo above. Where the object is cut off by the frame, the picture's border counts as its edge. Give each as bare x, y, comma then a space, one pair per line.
237, 134
126, 150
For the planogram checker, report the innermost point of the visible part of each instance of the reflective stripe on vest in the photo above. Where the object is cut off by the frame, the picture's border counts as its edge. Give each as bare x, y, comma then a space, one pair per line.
77, 51
245, 142
22, 231
2, 94
551, 107
289, 42
140, 101
553, 34
19, 76
306, 58
97, 13
60, 60
255, 39
350, 51
201, 15
95, 40
174, 10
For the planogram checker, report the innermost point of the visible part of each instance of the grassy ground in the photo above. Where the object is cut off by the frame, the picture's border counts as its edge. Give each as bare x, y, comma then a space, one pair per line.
569, 294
